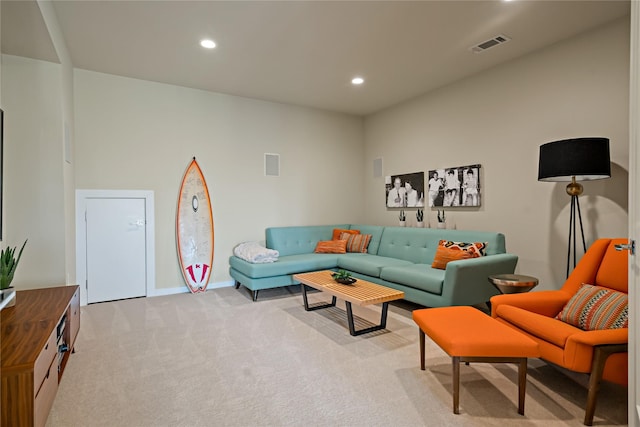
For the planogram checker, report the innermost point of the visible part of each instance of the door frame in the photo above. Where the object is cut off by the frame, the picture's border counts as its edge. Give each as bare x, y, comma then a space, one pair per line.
634, 217
81, 234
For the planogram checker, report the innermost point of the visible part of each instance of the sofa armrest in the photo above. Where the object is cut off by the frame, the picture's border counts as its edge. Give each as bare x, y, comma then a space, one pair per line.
547, 303
466, 281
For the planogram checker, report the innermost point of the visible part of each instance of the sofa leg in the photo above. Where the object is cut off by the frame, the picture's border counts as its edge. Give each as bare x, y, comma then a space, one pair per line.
255, 296
600, 355
238, 285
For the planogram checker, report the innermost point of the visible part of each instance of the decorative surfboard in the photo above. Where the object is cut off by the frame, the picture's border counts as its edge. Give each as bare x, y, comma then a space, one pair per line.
194, 229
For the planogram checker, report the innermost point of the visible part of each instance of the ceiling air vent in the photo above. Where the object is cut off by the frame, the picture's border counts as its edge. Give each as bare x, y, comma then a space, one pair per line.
499, 39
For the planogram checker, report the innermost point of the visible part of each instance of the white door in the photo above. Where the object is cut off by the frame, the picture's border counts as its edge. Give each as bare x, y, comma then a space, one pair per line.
115, 248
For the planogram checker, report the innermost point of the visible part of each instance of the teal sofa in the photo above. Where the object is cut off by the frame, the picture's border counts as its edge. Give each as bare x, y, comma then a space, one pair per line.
397, 257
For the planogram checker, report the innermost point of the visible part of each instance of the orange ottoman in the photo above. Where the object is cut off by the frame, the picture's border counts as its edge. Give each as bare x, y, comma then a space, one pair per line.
468, 335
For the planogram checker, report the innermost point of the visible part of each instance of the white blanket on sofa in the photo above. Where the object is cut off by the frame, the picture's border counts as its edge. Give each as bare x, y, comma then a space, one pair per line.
255, 253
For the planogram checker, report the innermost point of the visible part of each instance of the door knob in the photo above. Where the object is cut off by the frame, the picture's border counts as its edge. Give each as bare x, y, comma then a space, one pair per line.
631, 247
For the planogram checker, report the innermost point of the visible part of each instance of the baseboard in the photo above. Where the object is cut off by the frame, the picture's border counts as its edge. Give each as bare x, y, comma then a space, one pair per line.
183, 289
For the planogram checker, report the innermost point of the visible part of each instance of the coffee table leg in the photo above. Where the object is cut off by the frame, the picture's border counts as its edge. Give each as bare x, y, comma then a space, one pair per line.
315, 307
382, 325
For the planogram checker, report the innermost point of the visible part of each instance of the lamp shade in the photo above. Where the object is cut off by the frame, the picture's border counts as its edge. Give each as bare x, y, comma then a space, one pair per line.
584, 158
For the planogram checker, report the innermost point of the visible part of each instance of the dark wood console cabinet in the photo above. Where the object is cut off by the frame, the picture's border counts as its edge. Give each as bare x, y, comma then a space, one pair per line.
37, 334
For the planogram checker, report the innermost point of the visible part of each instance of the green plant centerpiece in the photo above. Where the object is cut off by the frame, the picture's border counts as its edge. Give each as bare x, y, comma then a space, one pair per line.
8, 265
343, 277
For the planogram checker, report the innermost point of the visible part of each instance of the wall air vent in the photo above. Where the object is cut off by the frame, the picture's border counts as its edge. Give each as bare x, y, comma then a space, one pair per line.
271, 164
499, 39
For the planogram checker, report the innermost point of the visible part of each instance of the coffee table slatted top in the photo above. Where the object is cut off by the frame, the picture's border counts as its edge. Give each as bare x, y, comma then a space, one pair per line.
361, 292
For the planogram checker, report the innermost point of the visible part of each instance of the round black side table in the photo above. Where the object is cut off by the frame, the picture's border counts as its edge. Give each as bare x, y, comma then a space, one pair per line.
513, 283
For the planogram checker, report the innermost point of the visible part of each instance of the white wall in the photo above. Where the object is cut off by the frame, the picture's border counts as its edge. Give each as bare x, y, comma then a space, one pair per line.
134, 134
33, 176
499, 119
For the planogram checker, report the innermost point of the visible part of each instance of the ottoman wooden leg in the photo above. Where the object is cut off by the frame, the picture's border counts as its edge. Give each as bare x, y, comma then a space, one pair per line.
456, 383
522, 384
421, 349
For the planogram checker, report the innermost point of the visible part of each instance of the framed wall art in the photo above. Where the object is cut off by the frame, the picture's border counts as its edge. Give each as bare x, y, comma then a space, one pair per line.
405, 191
456, 186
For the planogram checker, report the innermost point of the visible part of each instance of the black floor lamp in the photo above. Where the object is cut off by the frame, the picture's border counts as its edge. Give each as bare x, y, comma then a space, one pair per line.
578, 159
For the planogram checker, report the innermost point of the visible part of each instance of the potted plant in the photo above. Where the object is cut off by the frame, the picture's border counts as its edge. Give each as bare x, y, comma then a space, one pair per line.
441, 220
8, 265
402, 217
344, 277
420, 218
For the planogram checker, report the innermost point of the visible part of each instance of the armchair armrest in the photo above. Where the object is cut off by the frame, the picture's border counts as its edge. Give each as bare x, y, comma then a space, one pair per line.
547, 303
466, 281
601, 337
579, 349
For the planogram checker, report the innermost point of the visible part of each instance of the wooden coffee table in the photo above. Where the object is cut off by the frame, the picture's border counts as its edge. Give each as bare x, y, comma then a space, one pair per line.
361, 293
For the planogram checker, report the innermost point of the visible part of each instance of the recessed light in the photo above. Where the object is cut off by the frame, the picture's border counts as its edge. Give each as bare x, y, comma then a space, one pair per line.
357, 80
209, 44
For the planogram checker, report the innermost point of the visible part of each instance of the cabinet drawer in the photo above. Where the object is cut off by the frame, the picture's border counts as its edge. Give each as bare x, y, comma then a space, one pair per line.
43, 361
46, 395
74, 318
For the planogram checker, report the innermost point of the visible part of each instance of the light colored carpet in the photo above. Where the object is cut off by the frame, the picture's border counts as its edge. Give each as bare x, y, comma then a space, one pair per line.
219, 359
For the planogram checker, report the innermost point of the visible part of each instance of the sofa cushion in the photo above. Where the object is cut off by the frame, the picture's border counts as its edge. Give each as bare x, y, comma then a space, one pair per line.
331, 247
546, 328
300, 239
419, 245
418, 276
595, 307
376, 235
338, 231
290, 264
356, 242
371, 265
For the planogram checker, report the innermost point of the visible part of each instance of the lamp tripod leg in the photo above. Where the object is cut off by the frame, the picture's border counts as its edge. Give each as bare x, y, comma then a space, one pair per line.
584, 244
575, 204
571, 227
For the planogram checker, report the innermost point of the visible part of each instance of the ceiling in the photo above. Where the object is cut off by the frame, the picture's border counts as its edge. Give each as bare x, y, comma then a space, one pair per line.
300, 52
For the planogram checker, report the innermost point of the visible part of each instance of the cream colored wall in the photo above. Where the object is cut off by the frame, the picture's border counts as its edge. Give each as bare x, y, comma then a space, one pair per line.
134, 134
33, 176
499, 119
67, 137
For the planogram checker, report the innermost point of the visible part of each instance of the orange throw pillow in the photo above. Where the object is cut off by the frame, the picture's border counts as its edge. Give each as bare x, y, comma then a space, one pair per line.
331, 247
338, 231
356, 242
446, 255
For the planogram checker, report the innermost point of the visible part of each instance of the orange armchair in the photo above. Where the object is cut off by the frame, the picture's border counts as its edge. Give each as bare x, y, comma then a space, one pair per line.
600, 353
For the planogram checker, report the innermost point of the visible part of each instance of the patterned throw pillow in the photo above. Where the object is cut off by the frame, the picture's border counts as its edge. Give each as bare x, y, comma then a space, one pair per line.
356, 242
446, 255
477, 248
338, 231
331, 247
595, 307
